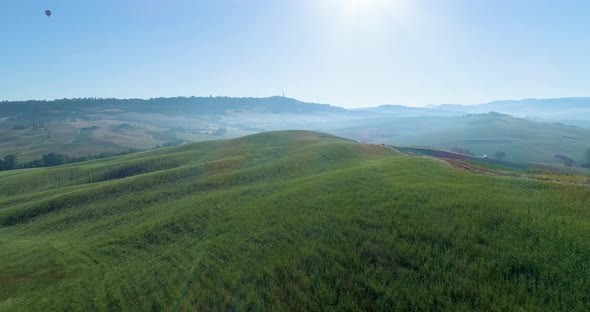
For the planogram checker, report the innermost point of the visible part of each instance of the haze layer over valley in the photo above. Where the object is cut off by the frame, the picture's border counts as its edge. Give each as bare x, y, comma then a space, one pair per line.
89, 127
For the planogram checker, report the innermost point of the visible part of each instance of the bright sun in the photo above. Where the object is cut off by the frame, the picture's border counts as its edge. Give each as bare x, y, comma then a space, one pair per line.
362, 8
359, 4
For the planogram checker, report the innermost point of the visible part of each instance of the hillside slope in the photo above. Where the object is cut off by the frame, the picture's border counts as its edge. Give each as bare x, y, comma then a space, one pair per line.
484, 134
288, 220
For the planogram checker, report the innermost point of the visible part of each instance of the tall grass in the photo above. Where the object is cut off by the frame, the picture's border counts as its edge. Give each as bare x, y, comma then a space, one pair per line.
290, 220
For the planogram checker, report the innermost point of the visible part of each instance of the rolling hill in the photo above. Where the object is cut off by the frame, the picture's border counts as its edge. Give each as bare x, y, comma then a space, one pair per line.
291, 220
572, 110
522, 140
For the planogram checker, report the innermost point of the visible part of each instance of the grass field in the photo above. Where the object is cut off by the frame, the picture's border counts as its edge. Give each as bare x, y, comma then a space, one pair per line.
288, 220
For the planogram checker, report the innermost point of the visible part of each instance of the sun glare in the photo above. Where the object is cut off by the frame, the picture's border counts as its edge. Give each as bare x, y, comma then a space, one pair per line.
362, 9
360, 4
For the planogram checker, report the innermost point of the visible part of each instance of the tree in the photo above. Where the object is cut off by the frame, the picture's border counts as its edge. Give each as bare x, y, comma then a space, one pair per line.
500, 155
566, 160
10, 162
220, 131
52, 159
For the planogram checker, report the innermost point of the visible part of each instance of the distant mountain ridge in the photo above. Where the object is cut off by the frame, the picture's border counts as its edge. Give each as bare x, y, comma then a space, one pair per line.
407, 111
276, 104
572, 108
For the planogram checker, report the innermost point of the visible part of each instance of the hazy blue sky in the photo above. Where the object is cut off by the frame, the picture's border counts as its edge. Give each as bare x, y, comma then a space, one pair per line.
343, 52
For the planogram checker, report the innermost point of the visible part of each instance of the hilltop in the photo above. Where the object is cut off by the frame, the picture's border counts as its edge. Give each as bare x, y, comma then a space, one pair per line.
293, 220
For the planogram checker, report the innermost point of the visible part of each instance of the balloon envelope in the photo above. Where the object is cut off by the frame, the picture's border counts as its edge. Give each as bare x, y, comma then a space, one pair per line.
48, 13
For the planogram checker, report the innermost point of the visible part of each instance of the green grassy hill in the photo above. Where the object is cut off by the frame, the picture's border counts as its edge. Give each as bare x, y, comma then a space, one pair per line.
288, 220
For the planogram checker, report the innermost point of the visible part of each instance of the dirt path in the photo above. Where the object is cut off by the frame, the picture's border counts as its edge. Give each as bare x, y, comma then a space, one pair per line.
461, 165
465, 166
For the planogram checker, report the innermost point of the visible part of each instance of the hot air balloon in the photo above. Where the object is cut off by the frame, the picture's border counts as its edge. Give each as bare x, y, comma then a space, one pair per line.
48, 13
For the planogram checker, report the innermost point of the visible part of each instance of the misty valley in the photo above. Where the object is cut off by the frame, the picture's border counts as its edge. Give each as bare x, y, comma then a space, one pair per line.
81, 129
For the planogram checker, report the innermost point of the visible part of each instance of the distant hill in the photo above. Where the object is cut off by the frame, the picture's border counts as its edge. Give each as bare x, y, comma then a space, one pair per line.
290, 220
520, 139
185, 105
83, 127
574, 109
406, 111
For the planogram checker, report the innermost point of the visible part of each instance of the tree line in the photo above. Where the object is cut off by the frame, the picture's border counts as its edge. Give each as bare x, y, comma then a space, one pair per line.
10, 162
